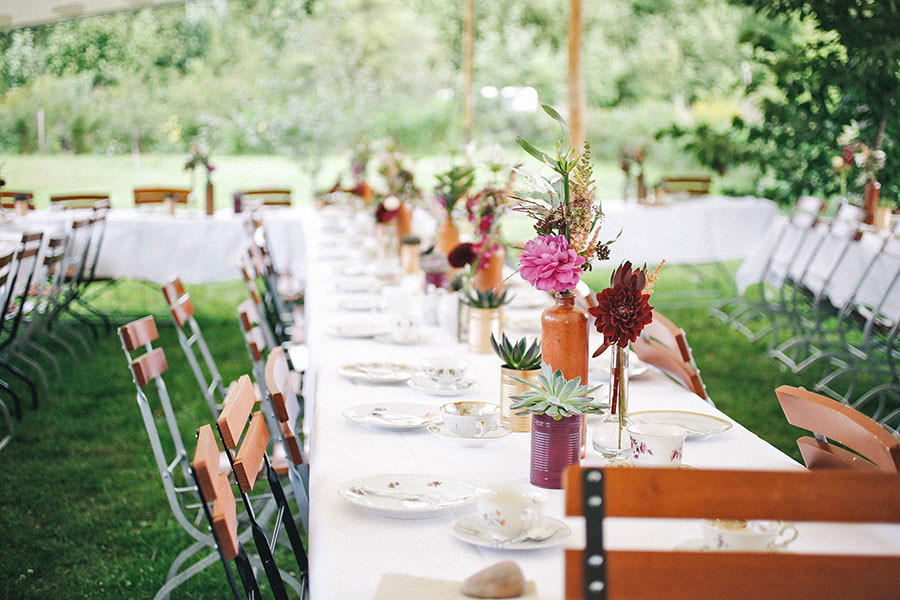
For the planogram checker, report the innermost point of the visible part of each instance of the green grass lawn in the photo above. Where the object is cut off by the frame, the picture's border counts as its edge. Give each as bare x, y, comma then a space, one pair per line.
84, 514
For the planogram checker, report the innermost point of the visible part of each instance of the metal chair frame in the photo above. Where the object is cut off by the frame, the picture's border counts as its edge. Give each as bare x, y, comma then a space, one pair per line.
181, 498
192, 342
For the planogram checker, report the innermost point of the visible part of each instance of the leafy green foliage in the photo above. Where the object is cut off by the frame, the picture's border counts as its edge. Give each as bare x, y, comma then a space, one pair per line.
453, 185
486, 299
519, 356
714, 148
555, 396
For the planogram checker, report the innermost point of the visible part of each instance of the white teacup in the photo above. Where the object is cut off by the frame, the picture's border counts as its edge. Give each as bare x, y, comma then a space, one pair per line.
405, 329
656, 444
510, 510
470, 419
751, 536
445, 371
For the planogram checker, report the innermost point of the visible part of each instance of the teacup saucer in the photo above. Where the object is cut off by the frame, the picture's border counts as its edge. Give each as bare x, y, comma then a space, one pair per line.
424, 383
698, 545
497, 433
416, 337
471, 529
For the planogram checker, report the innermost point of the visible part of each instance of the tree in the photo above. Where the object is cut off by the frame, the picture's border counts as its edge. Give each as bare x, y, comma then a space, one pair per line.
831, 62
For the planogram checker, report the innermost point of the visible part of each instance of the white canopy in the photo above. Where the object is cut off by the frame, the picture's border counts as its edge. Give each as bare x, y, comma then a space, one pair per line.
15, 14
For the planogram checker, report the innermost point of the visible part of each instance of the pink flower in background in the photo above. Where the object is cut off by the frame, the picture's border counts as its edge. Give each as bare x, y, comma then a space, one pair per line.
487, 221
549, 264
484, 249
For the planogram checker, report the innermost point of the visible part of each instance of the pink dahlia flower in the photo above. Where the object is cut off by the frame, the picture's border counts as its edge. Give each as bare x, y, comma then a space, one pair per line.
549, 264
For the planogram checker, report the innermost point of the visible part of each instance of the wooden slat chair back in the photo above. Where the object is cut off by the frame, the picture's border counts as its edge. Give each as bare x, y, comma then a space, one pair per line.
269, 329
266, 279
214, 488
694, 186
264, 197
147, 365
823, 496
873, 447
246, 451
287, 406
8, 199
664, 345
192, 342
254, 337
144, 196
75, 201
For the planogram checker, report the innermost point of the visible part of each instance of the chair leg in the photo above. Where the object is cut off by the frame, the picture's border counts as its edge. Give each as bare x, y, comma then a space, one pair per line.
104, 318
32, 388
10, 425
35, 366
174, 582
38, 348
17, 402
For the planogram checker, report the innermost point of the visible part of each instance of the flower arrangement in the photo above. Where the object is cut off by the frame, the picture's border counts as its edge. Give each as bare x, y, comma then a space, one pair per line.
566, 218
453, 185
398, 176
199, 157
555, 396
387, 210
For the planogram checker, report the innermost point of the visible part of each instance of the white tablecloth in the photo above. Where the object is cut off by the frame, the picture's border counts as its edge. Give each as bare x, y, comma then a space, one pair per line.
153, 246
851, 278
698, 230
350, 548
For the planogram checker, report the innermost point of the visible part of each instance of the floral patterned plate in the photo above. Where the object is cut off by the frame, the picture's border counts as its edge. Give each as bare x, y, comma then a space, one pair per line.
409, 496
696, 424
393, 415
378, 372
698, 545
550, 532
497, 433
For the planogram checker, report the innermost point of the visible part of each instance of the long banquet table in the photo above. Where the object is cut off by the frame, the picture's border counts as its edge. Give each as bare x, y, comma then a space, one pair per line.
351, 549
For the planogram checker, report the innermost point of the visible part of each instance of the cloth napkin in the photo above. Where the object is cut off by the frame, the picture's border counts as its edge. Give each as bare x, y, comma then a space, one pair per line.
398, 586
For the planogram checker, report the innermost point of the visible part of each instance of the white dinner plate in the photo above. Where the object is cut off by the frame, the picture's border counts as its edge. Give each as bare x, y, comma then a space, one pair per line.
408, 496
356, 284
424, 383
360, 303
378, 372
471, 529
392, 415
390, 337
696, 424
357, 327
497, 433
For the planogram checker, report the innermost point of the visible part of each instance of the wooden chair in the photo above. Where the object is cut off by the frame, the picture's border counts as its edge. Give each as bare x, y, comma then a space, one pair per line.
664, 345
873, 447
144, 196
285, 402
214, 488
826, 496
74, 201
262, 197
8, 199
693, 186
191, 339
246, 464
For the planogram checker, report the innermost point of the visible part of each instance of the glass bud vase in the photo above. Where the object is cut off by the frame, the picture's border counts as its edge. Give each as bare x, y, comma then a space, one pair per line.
609, 438
555, 444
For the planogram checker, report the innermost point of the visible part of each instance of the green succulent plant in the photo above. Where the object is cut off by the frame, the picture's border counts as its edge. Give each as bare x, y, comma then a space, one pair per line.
411, 239
555, 396
453, 185
487, 299
519, 356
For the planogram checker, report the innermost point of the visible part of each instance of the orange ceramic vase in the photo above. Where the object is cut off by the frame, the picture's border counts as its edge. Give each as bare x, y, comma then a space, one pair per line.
404, 221
491, 276
447, 236
564, 341
210, 205
871, 194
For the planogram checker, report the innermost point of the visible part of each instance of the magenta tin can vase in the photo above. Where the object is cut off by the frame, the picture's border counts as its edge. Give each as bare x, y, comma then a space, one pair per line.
555, 444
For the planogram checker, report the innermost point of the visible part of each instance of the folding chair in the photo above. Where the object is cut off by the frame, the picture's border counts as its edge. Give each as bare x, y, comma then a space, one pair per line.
6, 262
285, 405
262, 197
148, 196
191, 339
873, 447
245, 465
8, 199
77, 201
100, 211
214, 488
826, 496
787, 247
173, 468
664, 345
26, 257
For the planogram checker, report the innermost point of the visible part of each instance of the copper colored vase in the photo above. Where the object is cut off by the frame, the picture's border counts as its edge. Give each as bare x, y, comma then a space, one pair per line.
447, 236
210, 205
491, 276
564, 341
404, 221
871, 194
